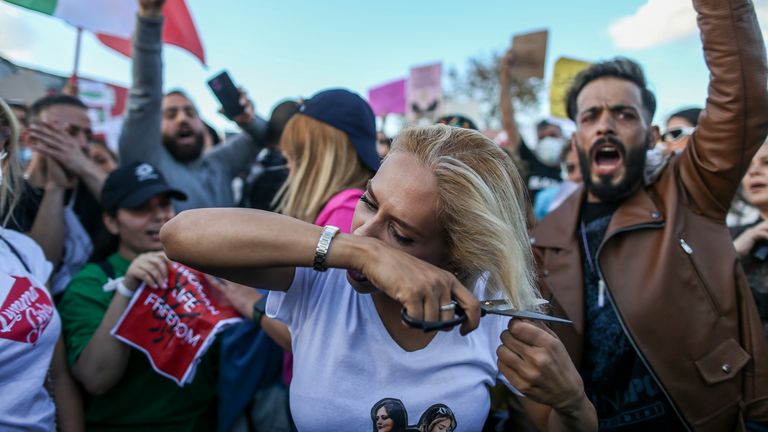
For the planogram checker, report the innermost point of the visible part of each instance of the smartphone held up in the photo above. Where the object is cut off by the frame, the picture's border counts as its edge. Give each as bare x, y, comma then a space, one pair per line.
227, 93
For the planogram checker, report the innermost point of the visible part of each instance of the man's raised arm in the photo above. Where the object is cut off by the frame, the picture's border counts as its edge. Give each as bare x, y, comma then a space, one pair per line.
140, 139
735, 121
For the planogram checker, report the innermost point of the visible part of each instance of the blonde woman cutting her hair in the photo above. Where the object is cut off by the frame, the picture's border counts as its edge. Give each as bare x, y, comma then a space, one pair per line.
330, 147
442, 220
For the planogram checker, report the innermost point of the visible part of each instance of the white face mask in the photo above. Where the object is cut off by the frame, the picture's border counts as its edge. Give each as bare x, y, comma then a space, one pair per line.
655, 159
548, 150
655, 156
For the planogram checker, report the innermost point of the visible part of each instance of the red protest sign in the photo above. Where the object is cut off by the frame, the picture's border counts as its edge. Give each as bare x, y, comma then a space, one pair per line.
174, 327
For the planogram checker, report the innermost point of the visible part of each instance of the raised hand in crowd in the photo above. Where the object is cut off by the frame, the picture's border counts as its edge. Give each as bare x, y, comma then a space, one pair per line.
55, 180
166, 130
103, 361
72, 87
150, 268
505, 102
245, 118
535, 362
151, 8
56, 176
62, 144
747, 240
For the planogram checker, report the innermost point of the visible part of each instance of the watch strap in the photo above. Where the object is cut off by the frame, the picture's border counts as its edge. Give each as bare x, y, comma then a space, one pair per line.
323, 245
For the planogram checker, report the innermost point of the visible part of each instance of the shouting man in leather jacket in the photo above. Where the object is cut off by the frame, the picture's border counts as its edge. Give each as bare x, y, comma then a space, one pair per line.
665, 332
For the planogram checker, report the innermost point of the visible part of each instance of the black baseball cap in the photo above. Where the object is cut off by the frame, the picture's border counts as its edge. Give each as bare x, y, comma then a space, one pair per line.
131, 186
349, 113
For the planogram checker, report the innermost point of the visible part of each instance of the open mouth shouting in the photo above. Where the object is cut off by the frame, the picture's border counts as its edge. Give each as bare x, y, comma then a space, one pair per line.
185, 136
607, 156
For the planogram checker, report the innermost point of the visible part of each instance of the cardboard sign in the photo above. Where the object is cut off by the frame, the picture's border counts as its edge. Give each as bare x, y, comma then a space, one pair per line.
425, 92
566, 70
388, 98
530, 51
174, 327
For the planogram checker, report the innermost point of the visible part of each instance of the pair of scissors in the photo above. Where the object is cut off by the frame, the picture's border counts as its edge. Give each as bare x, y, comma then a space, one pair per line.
493, 307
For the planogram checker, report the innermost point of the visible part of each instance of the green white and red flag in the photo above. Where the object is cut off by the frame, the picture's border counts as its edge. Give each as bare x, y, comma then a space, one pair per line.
113, 21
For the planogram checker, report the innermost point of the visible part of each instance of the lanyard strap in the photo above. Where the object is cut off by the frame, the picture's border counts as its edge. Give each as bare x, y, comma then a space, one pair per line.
593, 266
586, 248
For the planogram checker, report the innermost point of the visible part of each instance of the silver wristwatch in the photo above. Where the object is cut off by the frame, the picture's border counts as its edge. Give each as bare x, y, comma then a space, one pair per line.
321, 252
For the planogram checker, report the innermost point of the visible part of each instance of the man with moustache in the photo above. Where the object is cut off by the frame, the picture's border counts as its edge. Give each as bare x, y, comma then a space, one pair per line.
665, 333
166, 130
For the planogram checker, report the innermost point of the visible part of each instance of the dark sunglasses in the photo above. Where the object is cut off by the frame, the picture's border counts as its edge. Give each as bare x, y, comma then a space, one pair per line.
677, 133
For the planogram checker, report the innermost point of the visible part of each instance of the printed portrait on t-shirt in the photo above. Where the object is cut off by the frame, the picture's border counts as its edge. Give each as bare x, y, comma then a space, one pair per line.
389, 415
437, 418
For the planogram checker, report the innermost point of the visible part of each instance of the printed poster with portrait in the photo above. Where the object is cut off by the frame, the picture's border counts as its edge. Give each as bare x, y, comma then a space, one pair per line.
174, 327
390, 415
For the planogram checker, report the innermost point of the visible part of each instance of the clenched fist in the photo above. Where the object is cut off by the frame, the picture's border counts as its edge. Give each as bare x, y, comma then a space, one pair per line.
151, 8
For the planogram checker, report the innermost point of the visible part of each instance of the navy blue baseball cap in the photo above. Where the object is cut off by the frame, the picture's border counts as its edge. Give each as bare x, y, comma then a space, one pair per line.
347, 112
131, 186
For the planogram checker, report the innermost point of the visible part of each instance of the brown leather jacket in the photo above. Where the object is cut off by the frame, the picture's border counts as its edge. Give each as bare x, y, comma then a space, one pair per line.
667, 257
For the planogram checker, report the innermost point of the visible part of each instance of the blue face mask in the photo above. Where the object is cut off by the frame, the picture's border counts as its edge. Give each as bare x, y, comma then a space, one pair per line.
25, 155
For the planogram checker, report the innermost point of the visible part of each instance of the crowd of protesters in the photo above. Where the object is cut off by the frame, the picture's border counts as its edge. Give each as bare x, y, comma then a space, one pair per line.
364, 267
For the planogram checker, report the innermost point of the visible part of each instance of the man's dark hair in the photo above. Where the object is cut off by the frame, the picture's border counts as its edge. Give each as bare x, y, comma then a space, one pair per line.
619, 67
281, 113
544, 123
177, 92
48, 101
691, 115
215, 137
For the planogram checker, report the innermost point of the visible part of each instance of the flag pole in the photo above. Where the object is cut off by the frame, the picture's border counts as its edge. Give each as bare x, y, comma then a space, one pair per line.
73, 85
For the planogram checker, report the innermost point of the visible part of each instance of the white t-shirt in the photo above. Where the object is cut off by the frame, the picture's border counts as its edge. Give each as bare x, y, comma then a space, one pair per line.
345, 362
29, 330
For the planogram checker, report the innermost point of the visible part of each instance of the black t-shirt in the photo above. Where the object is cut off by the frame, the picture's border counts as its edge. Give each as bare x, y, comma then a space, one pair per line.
623, 391
756, 270
86, 207
538, 175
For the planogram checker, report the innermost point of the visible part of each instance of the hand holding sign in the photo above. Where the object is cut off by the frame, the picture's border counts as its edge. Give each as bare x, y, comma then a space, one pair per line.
150, 268
529, 51
174, 326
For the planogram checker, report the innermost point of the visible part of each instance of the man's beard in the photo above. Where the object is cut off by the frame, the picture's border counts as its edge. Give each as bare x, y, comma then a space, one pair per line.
183, 152
634, 165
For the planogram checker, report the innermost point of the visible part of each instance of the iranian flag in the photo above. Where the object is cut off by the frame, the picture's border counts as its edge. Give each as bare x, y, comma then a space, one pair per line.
113, 21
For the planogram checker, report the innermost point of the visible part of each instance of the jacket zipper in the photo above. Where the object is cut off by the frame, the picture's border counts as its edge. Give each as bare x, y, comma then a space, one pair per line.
707, 293
624, 327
